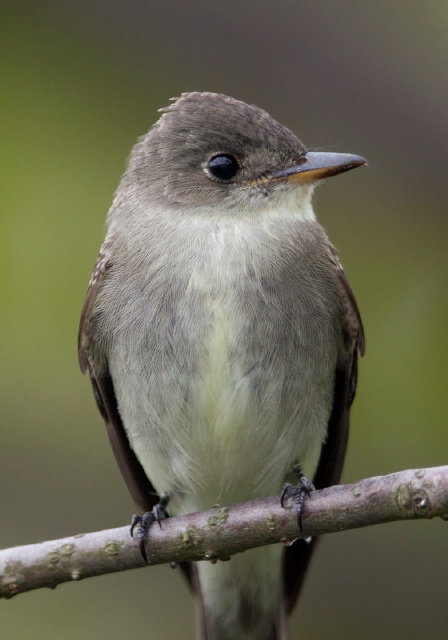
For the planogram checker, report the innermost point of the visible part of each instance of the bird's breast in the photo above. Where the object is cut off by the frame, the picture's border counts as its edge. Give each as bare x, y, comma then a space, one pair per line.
236, 358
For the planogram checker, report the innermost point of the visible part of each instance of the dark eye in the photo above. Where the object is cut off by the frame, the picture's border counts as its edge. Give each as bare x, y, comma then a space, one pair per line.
223, 166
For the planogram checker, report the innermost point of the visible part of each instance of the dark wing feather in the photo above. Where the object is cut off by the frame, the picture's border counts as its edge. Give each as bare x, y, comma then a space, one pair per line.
297, 557
137, 482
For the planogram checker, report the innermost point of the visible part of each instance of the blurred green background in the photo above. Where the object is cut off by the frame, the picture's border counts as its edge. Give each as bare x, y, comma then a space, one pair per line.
81, 80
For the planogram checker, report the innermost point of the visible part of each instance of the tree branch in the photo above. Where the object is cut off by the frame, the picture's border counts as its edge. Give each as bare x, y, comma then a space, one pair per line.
224, 531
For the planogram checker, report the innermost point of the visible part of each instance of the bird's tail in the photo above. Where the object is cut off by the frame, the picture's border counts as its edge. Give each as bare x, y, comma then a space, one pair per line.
241, 599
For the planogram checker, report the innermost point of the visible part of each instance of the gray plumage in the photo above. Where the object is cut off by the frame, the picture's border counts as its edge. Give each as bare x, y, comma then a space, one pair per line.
221, 337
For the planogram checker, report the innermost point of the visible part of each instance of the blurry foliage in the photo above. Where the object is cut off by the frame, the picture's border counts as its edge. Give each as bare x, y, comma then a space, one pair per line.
81, 81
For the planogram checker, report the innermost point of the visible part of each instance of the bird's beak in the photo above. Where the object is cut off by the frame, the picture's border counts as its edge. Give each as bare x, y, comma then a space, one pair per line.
315, 165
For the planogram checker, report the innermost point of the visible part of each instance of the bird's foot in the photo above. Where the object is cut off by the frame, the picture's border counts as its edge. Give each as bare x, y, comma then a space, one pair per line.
300, 492
157, 514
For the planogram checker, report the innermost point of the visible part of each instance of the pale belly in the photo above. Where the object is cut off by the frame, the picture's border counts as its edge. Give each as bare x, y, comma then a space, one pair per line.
224, 414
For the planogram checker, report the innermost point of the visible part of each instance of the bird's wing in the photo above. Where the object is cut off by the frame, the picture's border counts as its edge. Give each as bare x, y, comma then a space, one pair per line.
136, 480
138, 483
298, 556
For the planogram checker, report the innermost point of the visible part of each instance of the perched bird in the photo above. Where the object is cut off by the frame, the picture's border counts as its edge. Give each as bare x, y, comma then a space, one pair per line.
221, 337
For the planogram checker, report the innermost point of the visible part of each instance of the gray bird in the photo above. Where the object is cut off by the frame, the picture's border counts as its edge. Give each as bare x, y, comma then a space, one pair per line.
221, 337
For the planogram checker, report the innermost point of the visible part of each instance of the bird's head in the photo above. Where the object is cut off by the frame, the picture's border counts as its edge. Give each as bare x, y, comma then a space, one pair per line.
209, 152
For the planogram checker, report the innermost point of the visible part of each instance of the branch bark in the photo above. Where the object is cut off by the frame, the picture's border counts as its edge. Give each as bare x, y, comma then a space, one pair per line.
221, 532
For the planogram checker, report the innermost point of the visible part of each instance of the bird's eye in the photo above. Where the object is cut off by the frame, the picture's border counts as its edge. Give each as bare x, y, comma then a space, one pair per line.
223, 166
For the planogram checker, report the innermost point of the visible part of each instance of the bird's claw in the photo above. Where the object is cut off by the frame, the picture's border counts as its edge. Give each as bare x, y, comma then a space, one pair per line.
300, 492
157, 514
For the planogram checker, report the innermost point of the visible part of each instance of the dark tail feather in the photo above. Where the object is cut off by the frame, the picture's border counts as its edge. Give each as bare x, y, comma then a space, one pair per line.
205, 629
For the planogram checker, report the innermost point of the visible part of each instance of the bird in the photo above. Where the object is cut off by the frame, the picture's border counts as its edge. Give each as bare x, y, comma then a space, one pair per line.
221, 338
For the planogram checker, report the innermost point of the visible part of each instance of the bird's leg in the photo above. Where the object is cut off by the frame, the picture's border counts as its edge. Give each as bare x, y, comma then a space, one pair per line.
157, 514
300, 492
